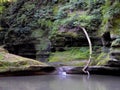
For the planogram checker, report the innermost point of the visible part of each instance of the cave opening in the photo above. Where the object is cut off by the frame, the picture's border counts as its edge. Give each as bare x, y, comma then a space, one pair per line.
24, 50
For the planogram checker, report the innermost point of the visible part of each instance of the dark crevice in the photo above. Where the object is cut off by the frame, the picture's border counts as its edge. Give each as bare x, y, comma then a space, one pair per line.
25, 50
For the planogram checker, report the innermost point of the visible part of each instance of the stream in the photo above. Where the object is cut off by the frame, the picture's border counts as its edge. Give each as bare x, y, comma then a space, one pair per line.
60, 82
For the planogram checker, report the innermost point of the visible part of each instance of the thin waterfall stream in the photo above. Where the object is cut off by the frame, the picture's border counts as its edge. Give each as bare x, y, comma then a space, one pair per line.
90, 51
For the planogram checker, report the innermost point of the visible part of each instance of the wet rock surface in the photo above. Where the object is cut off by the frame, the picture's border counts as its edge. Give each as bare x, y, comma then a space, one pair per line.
98, 70
114, 63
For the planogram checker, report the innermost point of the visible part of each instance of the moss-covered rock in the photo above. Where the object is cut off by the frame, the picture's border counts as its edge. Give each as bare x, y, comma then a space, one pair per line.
101, 59
116, 43
13, 63
70, 55
115, 49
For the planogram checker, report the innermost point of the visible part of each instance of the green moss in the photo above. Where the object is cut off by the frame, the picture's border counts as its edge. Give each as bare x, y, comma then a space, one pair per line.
55, 9
10, 62
45, 23
70, 55
111, 19
1, 56
83, 20
106, 16
2, 1
13, 64
2, 8
115, 26
21, 19
70, 34
101, 59
115, 9
29, 6
80, 64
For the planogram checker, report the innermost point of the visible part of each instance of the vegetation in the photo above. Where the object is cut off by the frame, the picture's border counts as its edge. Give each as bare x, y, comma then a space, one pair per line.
10, 62
100, 59
116, 42
70, 55
111, 18
54, 22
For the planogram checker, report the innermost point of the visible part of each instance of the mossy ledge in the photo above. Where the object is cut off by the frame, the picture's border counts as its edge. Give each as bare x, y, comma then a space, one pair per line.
16, 65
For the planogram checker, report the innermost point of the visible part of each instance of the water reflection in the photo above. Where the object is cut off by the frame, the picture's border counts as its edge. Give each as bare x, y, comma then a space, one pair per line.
54, 82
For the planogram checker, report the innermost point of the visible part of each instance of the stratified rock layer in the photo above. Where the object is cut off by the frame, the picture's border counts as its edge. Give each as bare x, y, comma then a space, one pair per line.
17, 65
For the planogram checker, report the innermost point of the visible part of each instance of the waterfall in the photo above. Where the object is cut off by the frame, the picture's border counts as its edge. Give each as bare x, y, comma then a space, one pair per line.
90, 51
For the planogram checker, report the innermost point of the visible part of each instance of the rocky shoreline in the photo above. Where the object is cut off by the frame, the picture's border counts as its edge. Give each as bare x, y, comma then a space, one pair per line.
13, 65
93, 70
32, 71
97, 70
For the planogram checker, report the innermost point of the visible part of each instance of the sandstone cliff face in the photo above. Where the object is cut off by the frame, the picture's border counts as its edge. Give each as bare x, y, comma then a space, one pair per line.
45, 30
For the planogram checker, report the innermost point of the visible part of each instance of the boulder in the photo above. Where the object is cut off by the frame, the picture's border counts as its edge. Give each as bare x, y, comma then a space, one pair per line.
114, 63
115, 54
17, 65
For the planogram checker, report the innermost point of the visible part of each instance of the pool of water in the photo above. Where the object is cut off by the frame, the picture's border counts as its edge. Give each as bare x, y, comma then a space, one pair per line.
60, 82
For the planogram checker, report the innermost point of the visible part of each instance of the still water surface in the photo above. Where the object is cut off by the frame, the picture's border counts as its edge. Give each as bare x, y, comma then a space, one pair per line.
58, 82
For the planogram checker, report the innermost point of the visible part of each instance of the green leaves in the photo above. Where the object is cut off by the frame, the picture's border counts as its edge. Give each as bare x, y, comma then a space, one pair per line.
44, 22
2, 8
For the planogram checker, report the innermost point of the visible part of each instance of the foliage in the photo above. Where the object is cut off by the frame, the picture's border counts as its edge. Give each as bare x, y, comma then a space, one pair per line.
101, 59
106, 16
115, 9
3, 5
29, 6
68, 15
44, 13
70, 55
3, 1
83, 20
71, 6
50, 17
45, 23
61, 12
43, 19
116, 42
2, 8
96, 4
111, 12
1, 56
79, 4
